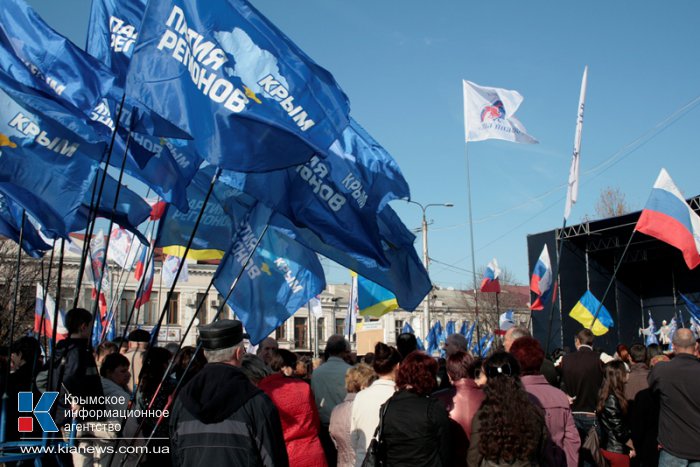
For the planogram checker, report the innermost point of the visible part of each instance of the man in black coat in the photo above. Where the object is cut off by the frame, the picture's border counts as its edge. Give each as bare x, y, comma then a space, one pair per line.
219, 417
581, 378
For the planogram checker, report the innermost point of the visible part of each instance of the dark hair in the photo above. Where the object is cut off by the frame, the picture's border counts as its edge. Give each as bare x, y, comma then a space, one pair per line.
139, 335
417, 374
154, 365
614, 373
652, 351
529, 354
112, 362
75, 318
458, 365
281, 358
182, 359
336, 345
385, 358
406, 343
585, 337
638, 353
511, 425
29, 348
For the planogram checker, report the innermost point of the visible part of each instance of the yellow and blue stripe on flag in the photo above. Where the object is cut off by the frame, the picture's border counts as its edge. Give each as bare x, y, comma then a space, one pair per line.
585, 310
373, 299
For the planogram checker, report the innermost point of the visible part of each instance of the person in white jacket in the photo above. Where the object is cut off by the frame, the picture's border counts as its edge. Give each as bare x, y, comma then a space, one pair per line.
365, 409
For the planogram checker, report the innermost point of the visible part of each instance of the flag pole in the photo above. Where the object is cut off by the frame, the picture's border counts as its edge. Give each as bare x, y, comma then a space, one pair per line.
471, 238
45, 293
59, 278
15, 298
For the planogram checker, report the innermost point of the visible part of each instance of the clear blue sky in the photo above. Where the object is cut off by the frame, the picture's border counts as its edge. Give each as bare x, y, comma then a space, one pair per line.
402, 64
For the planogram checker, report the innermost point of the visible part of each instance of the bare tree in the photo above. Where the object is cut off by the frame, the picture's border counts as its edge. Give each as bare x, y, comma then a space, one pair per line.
611, 203
29, 275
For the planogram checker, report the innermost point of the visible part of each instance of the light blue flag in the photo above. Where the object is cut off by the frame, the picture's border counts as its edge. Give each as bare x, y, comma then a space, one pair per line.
479, 346
450, 328
464, 327
487, 347
433, 338
220, 71
419, 344
44, 167
470, 335
373, 299
280, 278
407, 328
692, 308
11, 224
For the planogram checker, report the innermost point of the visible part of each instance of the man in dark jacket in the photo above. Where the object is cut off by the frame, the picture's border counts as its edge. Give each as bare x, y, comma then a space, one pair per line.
581, 378
675, 385
220, 418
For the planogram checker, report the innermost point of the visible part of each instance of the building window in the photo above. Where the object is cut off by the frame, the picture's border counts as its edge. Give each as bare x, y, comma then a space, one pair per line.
280, 333
340, 326
320, 327
300, 333
173, 308
398, 325
202, 305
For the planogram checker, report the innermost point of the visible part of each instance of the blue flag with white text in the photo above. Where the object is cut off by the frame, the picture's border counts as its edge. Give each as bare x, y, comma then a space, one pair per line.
280, 278
11, 224
249, 97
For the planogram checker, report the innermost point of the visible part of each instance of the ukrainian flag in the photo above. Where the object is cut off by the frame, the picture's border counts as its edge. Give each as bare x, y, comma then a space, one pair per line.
585, 310
373, 299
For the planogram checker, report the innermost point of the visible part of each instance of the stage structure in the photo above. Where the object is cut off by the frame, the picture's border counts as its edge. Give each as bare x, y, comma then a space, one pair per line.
650, 278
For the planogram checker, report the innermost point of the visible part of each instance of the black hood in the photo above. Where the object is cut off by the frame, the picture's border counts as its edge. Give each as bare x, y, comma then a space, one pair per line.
216, 392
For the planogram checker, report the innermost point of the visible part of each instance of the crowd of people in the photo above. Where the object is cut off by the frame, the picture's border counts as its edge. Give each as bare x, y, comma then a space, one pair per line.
397, 405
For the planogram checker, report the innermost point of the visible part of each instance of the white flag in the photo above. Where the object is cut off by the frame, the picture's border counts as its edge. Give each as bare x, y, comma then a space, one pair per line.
489, 113
353, 309
315, 307
572, 190
122, 249
170, 266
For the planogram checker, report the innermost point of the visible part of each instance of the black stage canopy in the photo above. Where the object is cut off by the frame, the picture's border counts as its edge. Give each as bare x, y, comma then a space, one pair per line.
650, 278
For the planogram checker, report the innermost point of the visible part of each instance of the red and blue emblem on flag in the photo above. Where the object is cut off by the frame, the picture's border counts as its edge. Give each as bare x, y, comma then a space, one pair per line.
495, 111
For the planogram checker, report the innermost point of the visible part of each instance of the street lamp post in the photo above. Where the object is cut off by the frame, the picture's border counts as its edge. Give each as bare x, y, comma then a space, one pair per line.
426, 260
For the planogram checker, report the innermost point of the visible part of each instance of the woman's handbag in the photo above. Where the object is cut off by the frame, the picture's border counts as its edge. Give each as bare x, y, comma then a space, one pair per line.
375, 456
592, 445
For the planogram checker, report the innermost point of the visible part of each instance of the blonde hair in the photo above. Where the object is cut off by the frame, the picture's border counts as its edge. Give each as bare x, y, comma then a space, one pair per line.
359, 377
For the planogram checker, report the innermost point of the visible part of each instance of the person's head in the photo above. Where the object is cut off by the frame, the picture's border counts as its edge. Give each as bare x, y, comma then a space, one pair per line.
529, 354
265, 349
121, 343
652, 351
510, 423
155, 362
182, 360
406, 343
359, 377
25, 351
683, 341
337, 346
304, 368
138, 339
222, 341
386, 360
614, 379
254, 368
458, 365
455, 343
103, 350
623, 353
78, 322
417, 374
115, 367
513, 334
584, 337
173, 348
368, 358
638, 353
282, 361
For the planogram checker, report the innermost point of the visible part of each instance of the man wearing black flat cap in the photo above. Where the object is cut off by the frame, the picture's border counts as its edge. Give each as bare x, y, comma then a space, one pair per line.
219, 417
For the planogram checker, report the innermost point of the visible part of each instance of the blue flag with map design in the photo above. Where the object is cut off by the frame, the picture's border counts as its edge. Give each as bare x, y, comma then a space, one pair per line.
221, 72
281, 277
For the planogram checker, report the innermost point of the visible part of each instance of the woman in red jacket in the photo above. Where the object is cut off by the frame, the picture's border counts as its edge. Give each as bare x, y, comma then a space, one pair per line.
297, 409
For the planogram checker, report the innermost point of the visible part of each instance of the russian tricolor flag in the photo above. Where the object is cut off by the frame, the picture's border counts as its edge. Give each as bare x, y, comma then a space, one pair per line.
668, 218
490, 281
45, 314
541, 281
144, 295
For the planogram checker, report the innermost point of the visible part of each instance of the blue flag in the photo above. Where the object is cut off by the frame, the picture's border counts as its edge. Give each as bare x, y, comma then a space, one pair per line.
73, 75
470, 335
463, 329
221, 72
280, 278
407, 328
450, 328
692, 308
112, 33
44, 167
131, 210
419, 342
11, 224
215, 231
487, 346
433, 338
479, 346
373, 299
